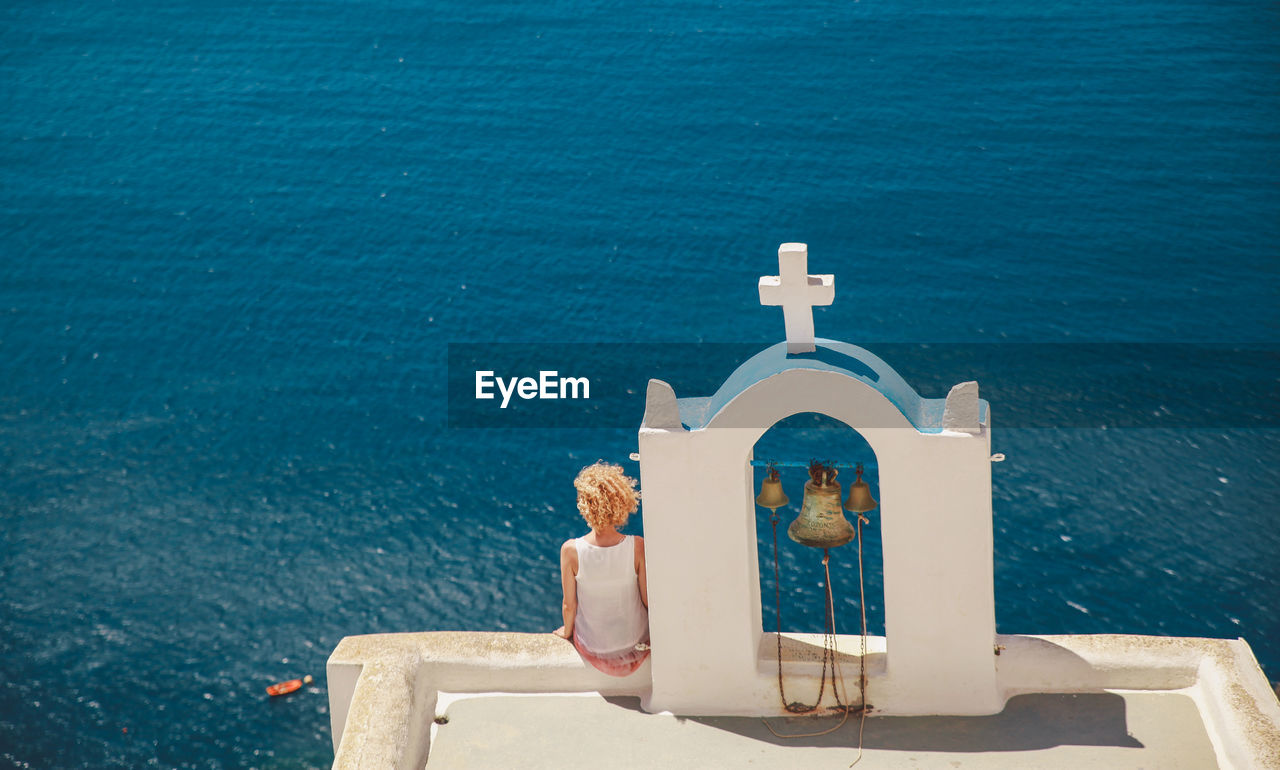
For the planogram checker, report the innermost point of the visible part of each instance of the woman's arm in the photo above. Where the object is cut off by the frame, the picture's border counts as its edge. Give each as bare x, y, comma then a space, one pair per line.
641, 576
569, 585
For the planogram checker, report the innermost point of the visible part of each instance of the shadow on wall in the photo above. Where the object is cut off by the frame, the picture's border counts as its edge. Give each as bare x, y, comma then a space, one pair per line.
1028, 722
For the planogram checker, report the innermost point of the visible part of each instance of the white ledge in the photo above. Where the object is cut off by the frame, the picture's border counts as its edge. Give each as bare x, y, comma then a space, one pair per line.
383, 689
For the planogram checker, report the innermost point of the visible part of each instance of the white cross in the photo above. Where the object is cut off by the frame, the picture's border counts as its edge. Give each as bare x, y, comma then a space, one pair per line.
797, 292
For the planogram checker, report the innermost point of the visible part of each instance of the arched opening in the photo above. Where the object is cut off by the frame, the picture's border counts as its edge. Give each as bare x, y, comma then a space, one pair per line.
794, 441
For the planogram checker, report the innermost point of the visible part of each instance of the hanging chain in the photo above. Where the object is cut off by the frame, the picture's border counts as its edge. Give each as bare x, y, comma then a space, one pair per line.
828, 635
828, 647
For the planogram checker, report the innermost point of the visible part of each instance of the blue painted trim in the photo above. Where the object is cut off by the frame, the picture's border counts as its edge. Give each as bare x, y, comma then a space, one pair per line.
924, 414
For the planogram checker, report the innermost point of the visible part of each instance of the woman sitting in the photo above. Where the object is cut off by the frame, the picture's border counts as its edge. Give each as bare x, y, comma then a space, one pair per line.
606, 598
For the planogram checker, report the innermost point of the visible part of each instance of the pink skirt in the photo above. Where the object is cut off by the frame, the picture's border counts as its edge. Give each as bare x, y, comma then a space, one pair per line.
615, 663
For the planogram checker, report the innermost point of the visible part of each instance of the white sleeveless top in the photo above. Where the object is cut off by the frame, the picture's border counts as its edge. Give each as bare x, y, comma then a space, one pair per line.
611, 618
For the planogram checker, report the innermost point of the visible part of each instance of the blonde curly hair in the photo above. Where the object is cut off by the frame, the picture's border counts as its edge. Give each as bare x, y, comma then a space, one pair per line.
606, 495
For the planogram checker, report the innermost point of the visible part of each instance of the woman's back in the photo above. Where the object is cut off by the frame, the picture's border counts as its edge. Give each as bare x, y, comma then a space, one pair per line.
611, 617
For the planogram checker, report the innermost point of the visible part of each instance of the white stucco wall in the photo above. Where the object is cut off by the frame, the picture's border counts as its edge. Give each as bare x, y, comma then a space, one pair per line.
935, 518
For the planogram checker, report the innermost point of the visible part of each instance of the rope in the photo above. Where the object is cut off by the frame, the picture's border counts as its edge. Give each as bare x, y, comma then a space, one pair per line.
829, 640
777, 594
843, 719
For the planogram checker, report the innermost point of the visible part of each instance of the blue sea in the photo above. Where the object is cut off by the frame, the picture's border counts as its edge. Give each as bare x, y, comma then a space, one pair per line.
238, 241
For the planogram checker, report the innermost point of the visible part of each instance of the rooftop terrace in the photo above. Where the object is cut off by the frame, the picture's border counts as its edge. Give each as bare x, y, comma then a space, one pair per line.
528, 700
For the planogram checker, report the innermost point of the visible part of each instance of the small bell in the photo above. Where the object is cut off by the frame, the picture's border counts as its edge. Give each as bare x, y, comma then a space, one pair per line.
859, 500
821, 523
771, 494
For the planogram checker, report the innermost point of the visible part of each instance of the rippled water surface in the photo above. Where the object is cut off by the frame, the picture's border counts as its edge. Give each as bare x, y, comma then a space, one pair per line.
238, 239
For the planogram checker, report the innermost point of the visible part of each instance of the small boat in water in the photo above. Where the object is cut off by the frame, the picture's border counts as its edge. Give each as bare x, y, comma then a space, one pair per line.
284, 688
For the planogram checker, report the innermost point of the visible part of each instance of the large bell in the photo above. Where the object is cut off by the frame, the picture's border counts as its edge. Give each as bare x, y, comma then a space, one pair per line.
771, 495
821, 523
859, 499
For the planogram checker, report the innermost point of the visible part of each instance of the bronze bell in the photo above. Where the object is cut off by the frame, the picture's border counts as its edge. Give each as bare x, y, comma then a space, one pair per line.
859, 500
821, 523
771, 494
